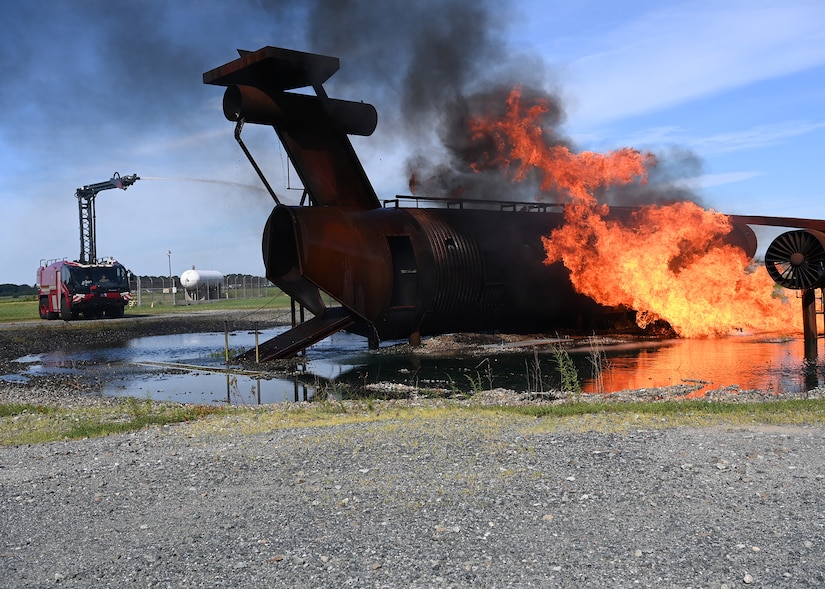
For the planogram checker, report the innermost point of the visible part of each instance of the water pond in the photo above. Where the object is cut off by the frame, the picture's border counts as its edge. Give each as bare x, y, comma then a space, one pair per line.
191, 368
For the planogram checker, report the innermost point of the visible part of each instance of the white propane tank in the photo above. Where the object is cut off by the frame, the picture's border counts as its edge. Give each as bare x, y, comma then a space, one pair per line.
192, 279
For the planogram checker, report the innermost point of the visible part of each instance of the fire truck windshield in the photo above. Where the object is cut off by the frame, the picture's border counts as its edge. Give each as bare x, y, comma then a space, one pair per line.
108, 277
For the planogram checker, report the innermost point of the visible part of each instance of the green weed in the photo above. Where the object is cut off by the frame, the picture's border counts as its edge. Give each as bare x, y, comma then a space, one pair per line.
476, 385
10, 409
598, 363
535, 380
567, 370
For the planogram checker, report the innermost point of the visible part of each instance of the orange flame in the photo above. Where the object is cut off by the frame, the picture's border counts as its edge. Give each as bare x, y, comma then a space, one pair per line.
668, 262
519, 136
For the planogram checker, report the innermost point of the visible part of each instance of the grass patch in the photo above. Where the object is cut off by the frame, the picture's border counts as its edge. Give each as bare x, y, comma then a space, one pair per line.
566, 417
278, 301
35, 424
19, 309
810, 407
8, 409
689, 413
32, 424
25, 309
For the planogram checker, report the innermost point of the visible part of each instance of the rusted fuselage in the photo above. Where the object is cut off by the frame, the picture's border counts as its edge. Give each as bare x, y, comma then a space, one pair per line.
398, 272
405, 271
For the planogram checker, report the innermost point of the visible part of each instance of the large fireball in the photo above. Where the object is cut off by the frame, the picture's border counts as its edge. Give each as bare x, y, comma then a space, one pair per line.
666, 262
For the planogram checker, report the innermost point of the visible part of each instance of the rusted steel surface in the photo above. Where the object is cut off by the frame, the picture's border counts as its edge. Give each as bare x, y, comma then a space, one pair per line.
275, 68
424, 270
312, 129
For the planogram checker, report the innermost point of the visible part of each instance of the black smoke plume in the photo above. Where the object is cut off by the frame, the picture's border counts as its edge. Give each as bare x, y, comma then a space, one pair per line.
131, 69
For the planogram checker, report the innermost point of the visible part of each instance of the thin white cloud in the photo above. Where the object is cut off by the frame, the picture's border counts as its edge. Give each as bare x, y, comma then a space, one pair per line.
725, 142
713, 180
689, 50
753, 138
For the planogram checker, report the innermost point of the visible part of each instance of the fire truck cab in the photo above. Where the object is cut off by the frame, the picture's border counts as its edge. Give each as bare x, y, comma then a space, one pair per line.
67, 289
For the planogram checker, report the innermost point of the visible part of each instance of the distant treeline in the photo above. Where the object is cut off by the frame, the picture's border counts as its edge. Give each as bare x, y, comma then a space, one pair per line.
17, 290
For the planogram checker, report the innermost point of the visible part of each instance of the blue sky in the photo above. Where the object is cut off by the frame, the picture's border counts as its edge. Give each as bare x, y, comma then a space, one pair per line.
733, 93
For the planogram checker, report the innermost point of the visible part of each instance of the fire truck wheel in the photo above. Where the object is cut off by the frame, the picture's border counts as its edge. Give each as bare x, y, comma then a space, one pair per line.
115, 312
44, 308
65, 311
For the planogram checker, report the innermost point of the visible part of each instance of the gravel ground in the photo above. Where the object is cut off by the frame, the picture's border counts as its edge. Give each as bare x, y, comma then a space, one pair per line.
472, 500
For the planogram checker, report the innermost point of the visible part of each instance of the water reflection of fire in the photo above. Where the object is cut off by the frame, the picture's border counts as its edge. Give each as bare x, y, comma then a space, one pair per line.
666, 262
708, 364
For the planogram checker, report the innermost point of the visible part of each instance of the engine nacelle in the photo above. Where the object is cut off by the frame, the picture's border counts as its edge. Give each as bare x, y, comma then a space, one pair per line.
796, 259
285, 110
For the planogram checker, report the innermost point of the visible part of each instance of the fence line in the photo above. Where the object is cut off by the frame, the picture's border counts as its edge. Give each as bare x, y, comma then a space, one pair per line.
160, 290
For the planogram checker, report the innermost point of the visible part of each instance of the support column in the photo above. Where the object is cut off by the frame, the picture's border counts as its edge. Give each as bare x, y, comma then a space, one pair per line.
809, 326
415, 339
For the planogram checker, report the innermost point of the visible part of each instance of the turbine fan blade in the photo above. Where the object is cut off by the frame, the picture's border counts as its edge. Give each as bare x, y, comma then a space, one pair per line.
796, 259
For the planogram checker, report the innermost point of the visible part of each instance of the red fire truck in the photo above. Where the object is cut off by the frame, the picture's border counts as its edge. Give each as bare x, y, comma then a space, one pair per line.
94, 287
70, 288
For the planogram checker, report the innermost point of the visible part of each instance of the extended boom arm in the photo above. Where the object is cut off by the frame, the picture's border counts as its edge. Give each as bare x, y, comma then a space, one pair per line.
86, 208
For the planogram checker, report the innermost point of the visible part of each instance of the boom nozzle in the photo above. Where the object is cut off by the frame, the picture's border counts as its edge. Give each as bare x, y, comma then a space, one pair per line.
123, 182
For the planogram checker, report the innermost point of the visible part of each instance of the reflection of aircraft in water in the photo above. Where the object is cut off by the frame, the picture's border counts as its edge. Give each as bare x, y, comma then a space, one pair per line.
396, 271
